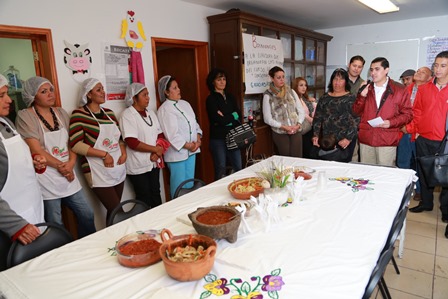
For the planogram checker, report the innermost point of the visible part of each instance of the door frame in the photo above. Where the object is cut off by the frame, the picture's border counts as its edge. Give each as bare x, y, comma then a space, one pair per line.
42, 45
202, 67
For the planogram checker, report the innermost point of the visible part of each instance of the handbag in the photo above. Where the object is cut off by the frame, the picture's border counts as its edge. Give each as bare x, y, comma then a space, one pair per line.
306, 127
435, 167
240, 137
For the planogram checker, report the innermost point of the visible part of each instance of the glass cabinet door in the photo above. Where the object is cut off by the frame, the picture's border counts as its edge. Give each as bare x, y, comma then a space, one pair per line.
287, 67
287, 45
320, 75
298, 48
270, 33
299, 70
320, 52
311, 75
250, 29
310, 50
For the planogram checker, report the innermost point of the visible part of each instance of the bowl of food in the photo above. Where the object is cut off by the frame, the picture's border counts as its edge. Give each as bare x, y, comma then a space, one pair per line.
217, 222
245, 188
138, 250
303, 171
187, 257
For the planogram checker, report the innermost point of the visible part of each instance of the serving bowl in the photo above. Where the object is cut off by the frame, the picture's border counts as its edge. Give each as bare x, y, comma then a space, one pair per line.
245, 188
138, 250
217, 222
187, 270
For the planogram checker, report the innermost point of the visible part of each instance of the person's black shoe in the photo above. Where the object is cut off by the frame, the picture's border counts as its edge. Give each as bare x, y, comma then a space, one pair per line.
446, 232
419, 209
445, 218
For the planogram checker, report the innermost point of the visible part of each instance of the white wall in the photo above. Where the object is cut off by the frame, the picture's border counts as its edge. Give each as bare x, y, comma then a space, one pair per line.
421, 29
95, 22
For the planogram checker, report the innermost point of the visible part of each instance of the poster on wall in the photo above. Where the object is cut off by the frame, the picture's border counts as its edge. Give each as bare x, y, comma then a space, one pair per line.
78, 60
435, 46
260, 55
116, 69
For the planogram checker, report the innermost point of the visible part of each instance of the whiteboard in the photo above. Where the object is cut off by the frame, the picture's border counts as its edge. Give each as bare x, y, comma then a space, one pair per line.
401, 54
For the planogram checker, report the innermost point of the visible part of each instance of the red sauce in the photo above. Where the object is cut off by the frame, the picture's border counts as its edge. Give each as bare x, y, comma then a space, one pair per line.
214, 217
140, 247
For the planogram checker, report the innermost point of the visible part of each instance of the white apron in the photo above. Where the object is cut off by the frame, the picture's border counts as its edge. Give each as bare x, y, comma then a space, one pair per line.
108, 140
52, 184
21, 189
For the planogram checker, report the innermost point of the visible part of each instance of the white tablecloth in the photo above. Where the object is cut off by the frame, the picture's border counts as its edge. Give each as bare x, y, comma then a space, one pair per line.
325, 247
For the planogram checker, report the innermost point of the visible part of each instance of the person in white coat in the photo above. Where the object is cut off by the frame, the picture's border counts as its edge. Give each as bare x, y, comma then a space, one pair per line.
179, 125
45, 129
18, 183
141, 132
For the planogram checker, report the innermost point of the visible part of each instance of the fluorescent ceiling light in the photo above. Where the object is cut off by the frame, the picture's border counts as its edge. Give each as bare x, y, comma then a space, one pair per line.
381, 6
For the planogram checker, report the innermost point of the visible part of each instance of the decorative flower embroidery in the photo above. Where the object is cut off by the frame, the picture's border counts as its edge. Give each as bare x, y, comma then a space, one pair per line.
253, 289
355, 184
218, 287
272, 283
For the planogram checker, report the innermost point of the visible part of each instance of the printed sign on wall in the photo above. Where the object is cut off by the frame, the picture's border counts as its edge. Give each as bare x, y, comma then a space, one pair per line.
260, 55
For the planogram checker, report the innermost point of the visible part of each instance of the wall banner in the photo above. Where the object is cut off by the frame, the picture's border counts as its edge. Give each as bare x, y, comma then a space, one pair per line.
260, 55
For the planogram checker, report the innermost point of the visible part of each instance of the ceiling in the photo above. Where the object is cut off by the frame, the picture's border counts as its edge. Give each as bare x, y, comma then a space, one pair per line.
324, 14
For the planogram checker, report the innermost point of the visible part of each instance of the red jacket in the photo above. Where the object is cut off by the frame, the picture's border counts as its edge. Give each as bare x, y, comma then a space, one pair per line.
395, 106
430, 111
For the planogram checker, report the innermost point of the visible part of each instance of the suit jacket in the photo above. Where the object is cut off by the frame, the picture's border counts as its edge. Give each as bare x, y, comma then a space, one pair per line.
10, 222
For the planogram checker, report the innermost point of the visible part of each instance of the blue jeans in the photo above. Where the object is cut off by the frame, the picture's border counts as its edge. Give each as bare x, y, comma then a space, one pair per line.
78, 204
221, 155
181, 171
407, 156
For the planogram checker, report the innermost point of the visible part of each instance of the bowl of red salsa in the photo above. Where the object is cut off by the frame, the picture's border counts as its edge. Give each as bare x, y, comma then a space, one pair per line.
217, 222
138, 250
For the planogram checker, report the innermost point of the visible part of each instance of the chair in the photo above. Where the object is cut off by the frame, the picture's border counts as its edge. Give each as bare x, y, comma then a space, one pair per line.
118, 214
53, 237
376, 278
397, 228
182, 191
5, 244
404, 203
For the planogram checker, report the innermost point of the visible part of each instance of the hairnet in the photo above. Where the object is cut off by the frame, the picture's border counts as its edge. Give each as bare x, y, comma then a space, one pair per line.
3, 81
131, 91
162, 87
30, 88
86, 86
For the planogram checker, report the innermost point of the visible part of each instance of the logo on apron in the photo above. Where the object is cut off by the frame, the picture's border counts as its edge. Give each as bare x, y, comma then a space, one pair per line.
109, 144
56, 151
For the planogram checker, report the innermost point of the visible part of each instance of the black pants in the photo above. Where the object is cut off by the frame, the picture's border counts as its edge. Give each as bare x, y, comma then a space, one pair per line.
147, 187
426, 147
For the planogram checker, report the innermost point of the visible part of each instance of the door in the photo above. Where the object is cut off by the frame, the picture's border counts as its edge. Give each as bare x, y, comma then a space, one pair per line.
187, 61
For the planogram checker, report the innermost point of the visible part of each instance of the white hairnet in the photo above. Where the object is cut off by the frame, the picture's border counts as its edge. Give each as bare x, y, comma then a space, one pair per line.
3, 81
162, 87
86, 86
30, 88
131, 91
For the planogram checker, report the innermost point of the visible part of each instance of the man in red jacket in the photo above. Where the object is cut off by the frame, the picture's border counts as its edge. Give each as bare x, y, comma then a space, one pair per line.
429, 125
384, 107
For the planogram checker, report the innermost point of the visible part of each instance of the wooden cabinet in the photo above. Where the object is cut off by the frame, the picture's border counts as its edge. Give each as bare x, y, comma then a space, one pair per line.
304, 56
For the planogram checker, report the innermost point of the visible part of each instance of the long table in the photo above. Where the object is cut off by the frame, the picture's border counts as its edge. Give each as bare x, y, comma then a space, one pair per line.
325, 246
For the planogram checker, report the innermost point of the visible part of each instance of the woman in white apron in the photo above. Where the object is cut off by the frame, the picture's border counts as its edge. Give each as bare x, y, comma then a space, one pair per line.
141, 130
45, 129
179, 125
18, 184
95, 136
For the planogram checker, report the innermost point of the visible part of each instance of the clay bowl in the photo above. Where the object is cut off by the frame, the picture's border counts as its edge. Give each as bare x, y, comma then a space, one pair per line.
183, 270
217, 222
238, 194
306, 176
145, 247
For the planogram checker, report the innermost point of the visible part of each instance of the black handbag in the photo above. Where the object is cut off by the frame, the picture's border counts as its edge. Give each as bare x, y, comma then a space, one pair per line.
240, 137
435, 167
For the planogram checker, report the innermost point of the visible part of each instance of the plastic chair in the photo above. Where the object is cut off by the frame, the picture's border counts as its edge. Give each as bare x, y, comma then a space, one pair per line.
182, 191
5, 244
118, 214
53, 237
404, 204
376, 278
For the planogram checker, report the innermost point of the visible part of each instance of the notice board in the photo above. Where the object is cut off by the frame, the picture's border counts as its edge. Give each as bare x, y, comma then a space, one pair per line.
401, 54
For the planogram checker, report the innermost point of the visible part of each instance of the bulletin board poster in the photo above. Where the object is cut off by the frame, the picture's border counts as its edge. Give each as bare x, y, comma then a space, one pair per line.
260, 55
116, 63
435, 46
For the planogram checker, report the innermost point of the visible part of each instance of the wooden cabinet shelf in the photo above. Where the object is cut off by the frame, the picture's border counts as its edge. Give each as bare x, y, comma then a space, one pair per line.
304, 56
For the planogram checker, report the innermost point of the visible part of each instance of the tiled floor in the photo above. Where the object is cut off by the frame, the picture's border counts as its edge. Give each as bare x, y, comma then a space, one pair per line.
424, 266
